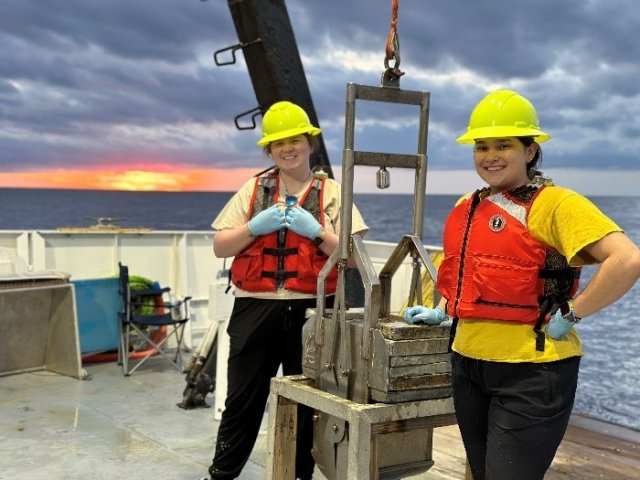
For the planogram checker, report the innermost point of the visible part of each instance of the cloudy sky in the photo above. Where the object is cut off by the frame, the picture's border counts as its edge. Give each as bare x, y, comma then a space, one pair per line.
124, 94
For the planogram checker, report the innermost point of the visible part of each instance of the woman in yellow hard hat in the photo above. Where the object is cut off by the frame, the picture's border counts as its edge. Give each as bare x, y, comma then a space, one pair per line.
509, 280
280, 227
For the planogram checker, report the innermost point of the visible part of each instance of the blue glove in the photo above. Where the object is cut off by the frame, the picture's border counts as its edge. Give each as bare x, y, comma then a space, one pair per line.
558, 327
267, 221
420, 314
302, 222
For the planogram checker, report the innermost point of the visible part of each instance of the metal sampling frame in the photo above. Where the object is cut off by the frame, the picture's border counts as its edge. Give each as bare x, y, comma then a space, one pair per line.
371, 420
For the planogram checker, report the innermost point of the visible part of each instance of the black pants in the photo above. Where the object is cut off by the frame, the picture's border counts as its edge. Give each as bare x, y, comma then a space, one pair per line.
512, 416
263, 335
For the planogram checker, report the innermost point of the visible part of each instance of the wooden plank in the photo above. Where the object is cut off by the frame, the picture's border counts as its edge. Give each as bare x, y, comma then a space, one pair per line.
284, 446
584, 454
591, 455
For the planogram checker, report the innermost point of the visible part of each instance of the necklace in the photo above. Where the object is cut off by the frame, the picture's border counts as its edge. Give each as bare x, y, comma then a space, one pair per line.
291, 198
301, 186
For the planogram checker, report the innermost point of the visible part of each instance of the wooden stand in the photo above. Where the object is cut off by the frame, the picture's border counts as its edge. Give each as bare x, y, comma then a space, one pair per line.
365, 422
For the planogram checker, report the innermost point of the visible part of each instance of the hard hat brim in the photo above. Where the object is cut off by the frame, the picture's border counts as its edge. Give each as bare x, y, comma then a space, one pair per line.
267, 139
499, 132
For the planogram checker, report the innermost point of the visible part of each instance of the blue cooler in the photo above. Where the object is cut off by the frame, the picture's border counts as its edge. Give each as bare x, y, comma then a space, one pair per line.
97, 303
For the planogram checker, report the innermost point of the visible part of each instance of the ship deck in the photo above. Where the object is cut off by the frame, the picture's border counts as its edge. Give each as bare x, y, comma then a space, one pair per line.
115, 427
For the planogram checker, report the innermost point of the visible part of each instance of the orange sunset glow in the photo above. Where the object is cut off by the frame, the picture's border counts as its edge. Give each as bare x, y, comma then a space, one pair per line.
168, 179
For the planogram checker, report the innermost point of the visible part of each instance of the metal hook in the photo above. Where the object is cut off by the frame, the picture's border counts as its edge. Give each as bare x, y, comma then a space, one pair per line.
233, 49
254, 111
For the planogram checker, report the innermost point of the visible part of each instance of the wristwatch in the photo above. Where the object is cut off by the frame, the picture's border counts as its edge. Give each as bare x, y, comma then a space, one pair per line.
566, 309
319, 238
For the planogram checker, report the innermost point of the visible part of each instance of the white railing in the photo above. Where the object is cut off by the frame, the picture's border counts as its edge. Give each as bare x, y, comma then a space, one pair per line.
183, 260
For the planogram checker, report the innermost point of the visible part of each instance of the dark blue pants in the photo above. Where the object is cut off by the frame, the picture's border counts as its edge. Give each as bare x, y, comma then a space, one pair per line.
512, 416
264, 334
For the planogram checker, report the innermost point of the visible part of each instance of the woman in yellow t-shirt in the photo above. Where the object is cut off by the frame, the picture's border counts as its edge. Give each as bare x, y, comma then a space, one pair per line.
509, 277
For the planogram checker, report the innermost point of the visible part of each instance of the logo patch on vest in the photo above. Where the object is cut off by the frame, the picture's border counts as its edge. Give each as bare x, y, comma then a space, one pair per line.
497, 223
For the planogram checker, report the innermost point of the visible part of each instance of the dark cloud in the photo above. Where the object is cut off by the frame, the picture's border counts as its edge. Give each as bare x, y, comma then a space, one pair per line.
85, 80
162, 30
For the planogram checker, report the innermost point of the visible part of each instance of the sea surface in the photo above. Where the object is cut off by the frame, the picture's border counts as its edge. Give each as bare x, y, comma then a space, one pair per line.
609, 385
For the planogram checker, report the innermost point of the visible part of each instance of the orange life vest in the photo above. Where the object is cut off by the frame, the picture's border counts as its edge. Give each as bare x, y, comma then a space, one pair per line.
282, 259
493, 268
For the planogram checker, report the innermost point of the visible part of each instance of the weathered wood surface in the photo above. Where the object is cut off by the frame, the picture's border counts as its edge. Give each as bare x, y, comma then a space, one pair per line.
584, 454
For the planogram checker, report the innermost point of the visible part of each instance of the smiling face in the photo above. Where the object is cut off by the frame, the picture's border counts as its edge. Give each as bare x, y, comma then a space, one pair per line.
291, 154
502, 162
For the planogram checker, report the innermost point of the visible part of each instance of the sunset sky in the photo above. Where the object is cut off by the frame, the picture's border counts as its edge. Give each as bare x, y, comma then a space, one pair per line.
106, 94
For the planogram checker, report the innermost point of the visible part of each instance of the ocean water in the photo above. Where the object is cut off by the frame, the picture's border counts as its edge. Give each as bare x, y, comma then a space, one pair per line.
609, 384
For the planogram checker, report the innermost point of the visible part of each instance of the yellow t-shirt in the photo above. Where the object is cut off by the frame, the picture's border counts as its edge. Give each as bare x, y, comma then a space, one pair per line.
568, 222
235, 211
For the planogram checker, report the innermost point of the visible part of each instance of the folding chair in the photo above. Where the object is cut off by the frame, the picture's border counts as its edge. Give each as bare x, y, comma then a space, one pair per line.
146, 316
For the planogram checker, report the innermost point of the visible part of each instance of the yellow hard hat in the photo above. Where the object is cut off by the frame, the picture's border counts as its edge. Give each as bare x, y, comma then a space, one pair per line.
285, 119
503, 113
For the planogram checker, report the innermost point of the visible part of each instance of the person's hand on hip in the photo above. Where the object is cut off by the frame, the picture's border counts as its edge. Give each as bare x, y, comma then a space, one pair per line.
559, 327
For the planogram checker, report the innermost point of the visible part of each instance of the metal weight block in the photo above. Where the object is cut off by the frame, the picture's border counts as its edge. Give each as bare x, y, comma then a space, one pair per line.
409, 362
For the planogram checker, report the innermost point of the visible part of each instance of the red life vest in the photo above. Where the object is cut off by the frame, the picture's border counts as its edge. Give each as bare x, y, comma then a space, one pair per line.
493, 268
282, 259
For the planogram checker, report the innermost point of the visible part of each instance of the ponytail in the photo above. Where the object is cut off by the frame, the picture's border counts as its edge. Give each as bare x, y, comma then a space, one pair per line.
532, 170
